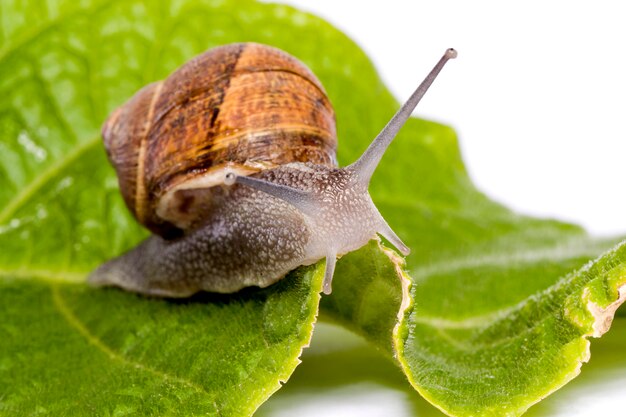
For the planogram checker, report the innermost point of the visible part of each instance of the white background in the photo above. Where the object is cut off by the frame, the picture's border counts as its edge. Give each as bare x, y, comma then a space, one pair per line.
537, 95
538, 98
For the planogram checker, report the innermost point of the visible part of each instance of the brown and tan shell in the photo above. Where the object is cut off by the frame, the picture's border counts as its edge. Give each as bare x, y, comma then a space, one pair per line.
243, 106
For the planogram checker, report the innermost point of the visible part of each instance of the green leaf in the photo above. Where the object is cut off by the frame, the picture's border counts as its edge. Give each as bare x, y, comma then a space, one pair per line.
501, 306
495, 296
341, 371
502, 362
370, 291
65, 346
92, 351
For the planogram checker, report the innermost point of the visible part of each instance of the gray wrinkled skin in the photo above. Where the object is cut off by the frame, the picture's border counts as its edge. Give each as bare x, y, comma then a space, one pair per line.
250, 238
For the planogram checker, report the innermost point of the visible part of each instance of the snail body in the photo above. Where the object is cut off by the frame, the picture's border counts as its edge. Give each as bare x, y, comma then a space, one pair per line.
230, 162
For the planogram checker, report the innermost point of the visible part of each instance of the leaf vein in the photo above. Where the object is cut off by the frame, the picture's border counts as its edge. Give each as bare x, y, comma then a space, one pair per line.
93, 340
44, 275
39, 31
52, 106
563, 251
47, 175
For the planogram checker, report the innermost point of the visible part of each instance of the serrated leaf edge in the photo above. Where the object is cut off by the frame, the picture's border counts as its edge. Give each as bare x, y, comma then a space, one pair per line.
603, 317
317, 283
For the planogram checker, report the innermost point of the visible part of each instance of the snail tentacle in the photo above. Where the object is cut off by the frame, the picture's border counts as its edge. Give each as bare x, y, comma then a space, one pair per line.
365, 166
300, 199
331, 261
388, 233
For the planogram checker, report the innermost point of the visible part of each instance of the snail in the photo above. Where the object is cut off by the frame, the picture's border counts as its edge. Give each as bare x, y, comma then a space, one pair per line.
230, 163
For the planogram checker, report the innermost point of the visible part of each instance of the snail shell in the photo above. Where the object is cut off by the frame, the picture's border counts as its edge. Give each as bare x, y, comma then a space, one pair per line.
245, 107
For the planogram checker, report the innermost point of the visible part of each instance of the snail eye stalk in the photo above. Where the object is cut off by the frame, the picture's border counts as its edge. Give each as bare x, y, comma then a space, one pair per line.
365, 166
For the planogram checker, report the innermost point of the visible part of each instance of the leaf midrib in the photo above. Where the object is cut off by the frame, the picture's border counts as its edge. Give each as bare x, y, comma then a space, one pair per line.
75, 323
70, 277
33, 35
576, 247
46, 175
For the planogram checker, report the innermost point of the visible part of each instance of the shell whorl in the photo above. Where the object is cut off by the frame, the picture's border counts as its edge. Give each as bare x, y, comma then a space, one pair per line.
243, 106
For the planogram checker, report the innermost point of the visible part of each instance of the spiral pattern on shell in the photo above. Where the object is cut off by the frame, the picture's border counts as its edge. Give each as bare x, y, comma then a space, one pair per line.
245, 107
